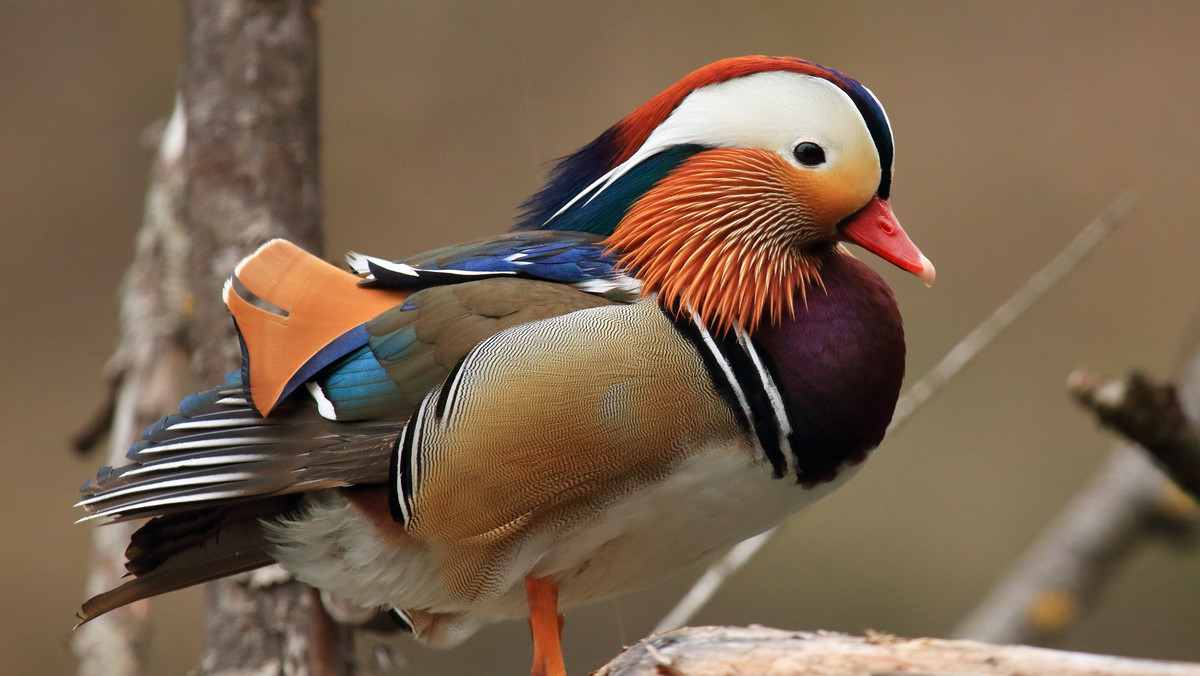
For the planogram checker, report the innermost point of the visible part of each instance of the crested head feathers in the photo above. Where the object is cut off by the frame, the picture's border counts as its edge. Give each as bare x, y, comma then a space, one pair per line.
636, 128
582, 175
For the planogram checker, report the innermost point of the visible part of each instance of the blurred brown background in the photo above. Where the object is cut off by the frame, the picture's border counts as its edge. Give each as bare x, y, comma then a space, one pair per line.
1016, 122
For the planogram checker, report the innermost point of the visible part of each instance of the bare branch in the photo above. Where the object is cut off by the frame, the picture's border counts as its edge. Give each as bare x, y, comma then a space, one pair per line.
959, 356
1063, 572
143, 375
1147, 413
719, 651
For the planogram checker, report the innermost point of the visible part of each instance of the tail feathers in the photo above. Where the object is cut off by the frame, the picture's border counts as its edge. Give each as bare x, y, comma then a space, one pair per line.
181, 550
219, 450
289, 306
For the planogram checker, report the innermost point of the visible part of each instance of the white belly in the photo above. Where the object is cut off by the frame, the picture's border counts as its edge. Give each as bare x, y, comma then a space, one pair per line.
709, 502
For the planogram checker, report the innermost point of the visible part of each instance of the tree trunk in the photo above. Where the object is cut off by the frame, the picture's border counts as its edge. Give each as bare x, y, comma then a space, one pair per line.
249, 87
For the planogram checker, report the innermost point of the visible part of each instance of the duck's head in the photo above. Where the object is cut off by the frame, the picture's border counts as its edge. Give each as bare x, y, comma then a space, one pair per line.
727, 191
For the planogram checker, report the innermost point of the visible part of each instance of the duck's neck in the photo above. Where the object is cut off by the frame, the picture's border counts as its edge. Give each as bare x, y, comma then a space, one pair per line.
814, 390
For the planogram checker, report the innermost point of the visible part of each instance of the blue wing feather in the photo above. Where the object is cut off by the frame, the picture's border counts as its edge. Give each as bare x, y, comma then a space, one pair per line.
359, 388
565, 257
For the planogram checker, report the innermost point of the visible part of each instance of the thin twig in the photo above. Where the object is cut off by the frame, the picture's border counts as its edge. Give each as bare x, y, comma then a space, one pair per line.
1003, 316
712, 579
928, 385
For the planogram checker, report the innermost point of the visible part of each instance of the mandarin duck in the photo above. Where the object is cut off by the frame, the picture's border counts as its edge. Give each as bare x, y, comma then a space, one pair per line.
672, 352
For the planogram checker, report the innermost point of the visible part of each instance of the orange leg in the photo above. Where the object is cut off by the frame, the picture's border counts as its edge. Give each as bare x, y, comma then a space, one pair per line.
546, 625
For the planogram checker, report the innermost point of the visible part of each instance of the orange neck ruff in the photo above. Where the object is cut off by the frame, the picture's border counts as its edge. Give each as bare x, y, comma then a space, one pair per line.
723, 235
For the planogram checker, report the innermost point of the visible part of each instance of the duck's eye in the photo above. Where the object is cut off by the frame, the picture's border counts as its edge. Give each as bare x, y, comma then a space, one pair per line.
809, 154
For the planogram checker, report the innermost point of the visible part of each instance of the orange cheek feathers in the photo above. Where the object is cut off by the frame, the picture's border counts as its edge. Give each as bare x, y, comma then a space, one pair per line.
718, 235
831, 194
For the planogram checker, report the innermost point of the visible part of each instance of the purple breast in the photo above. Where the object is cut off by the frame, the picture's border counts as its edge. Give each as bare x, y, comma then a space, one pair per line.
839, 363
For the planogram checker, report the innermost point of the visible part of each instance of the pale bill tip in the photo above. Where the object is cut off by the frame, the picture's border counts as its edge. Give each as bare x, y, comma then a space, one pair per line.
928, 274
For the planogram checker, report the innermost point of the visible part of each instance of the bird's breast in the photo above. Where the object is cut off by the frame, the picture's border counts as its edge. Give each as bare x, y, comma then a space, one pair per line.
838, 363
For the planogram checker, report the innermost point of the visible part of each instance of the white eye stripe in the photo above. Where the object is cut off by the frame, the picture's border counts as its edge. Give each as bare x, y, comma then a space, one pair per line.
770, 111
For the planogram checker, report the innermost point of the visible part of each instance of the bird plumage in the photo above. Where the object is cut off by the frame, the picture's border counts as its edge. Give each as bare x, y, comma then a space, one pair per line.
566, 412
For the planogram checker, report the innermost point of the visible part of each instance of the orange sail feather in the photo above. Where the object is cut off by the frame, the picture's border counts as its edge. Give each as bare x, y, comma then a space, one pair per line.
313, 304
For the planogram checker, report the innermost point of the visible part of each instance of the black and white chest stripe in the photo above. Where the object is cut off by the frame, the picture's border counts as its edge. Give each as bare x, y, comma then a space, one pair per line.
744, 380
404, 470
